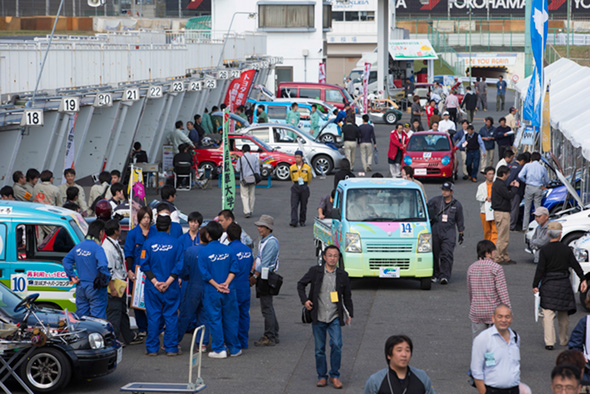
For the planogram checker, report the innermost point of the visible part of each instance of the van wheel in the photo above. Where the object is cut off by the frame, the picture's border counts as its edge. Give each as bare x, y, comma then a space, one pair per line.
46, 370
425, 283
322, 164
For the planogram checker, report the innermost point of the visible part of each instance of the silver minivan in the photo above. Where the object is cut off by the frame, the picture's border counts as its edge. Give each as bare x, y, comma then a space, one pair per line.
323, 157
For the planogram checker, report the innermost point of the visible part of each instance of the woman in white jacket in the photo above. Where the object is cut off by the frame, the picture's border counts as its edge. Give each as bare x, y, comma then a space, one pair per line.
484, 193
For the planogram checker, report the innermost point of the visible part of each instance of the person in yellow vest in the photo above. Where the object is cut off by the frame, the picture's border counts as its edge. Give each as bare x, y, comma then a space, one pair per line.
300, 176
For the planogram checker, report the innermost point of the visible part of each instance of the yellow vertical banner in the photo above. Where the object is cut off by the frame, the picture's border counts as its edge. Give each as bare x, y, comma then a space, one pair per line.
545, 125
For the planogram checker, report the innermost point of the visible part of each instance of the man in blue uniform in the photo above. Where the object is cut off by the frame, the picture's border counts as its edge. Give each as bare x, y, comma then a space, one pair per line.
175, 229
134, 241
89, 260
161, 262
242, 280
193, 288
191, 237
218, 268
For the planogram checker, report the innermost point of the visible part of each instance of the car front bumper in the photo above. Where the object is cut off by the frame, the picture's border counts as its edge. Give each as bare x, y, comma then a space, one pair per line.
90, 364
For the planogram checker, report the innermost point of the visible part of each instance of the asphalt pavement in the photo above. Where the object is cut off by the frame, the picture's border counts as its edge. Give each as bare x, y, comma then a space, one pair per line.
436, 320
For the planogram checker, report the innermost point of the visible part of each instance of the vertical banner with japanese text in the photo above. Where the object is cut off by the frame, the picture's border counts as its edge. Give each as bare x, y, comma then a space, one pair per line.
366, 87
70, 147
228, 185
322, 73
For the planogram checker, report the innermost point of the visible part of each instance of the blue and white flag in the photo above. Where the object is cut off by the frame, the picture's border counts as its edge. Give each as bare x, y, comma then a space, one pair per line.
538, 26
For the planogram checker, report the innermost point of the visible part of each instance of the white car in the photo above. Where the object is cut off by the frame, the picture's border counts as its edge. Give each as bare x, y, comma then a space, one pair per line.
574, 225
581, 248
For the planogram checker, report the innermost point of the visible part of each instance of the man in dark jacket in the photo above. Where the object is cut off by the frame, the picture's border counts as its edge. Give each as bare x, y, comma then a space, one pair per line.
504, 137
330, 303
557, 297
515, 168
501, 204
469, 103
351, 135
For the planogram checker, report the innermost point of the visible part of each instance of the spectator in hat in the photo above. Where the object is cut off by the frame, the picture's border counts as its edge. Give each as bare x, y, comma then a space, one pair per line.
552, 280
446, 214
446, 124
300, 176
540, 237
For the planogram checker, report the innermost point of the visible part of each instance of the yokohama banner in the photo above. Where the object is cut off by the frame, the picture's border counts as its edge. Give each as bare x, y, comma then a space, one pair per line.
239, 89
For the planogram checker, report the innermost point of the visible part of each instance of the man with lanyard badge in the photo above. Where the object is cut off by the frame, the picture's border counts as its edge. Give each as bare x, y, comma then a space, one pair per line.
300, 176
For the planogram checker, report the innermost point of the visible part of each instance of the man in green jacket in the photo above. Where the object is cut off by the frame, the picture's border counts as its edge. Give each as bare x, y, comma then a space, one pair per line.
262, 116
206, 123
315, 120
293, 116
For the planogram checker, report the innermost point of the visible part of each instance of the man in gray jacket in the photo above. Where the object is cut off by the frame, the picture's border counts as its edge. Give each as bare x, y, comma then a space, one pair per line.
399, 377
247, 166
540, 237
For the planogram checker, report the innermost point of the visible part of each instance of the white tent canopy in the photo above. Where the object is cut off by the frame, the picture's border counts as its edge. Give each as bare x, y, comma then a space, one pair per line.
569, 100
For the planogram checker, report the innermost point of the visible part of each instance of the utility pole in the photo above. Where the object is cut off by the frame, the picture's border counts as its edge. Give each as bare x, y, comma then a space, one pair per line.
470, 34
569, 18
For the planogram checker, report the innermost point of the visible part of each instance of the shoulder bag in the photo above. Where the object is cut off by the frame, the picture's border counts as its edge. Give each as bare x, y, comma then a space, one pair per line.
250, 179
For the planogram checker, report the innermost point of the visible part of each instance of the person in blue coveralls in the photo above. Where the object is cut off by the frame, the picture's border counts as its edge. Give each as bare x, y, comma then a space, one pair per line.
161, 262
136, 237
191, 237
192, 308
90, 261
242, 280
175, 229
218, 268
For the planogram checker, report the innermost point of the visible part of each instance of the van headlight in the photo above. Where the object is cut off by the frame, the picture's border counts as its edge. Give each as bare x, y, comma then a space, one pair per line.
424, 244
581, 255
96, 341
353, 243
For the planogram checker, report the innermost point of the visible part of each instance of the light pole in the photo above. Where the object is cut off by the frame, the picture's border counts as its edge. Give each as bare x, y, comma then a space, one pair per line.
251, 15
470, 34
569, 16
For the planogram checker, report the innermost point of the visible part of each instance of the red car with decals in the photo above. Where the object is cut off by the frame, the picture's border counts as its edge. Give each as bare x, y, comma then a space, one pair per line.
431, 155
211, 157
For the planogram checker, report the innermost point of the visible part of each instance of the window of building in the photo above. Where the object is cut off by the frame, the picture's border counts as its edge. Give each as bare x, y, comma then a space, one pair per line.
353, 16
327, 16
285, 16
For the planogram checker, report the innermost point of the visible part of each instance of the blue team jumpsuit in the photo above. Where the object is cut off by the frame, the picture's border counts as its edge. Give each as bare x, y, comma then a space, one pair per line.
216, 261
175, 230
193, 288
133, 245
88, 258
242, 284
162, 256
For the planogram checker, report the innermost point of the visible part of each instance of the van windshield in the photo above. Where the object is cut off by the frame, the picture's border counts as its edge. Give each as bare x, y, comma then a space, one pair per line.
385, 205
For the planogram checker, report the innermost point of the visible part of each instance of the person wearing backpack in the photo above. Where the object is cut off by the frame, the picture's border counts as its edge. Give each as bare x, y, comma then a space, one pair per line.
249, 169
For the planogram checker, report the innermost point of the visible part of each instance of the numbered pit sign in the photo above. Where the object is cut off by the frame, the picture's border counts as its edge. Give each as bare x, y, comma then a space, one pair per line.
256, 66
406, 230
195, 86
18, 283
210, 83
69, 104
224, 74
235, 74
103, 100
131, 94
32, 117
155, 92
177, 87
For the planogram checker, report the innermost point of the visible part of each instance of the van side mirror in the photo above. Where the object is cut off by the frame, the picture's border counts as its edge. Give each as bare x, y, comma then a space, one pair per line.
335, 213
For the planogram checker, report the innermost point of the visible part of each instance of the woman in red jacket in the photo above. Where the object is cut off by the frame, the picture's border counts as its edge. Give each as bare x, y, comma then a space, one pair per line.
398, 140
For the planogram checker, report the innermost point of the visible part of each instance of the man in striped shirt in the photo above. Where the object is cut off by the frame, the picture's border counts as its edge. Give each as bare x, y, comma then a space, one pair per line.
486, 285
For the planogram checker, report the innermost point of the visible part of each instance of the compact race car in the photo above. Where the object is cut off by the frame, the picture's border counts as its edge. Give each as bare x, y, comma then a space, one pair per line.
384, 110
431, 154
54, 345
211, 157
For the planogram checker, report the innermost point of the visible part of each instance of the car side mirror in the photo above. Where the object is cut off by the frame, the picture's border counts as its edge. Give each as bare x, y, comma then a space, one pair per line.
335, 213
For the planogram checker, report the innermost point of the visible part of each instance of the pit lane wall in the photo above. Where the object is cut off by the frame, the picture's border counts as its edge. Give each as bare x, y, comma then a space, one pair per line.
100, 94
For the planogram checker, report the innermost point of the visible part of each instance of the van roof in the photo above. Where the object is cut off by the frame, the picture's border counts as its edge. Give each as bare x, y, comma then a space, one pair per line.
377, 183
19, 210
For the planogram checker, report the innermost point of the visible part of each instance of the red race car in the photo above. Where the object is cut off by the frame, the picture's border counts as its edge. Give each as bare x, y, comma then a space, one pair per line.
211, 157
431, 155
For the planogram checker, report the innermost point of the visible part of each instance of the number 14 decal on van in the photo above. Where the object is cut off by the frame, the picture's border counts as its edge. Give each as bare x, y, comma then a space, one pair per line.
406, 230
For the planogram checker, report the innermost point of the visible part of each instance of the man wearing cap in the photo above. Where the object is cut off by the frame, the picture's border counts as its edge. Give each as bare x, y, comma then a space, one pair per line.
446, 213
511, 120
300, 176
557, 297
446, 124
161, 261
267, 261
540, 237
